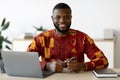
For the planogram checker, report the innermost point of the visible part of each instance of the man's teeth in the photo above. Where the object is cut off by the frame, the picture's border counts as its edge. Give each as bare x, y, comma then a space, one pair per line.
62, 25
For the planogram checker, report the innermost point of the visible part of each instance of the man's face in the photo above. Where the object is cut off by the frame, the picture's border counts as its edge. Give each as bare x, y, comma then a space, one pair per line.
62, 20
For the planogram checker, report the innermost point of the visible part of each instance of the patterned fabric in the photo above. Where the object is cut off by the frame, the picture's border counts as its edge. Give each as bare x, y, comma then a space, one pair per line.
75, 43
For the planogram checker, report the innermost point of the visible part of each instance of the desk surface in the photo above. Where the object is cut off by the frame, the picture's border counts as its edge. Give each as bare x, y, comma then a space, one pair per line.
62, 76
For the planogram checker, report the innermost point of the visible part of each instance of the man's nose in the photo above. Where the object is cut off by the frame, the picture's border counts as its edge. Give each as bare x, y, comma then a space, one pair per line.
62, 19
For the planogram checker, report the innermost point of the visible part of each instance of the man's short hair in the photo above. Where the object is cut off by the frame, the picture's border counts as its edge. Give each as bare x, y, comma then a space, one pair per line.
62, 6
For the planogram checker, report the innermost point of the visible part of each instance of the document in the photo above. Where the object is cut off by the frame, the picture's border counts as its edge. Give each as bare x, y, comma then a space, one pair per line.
105, 73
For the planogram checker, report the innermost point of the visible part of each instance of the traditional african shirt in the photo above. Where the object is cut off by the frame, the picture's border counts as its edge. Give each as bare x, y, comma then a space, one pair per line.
51, 47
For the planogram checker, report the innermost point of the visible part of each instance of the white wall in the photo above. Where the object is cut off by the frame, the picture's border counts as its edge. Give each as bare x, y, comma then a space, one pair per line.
90, 16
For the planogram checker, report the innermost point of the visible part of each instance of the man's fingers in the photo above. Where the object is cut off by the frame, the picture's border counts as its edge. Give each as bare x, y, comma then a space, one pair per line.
59, 67
74, 66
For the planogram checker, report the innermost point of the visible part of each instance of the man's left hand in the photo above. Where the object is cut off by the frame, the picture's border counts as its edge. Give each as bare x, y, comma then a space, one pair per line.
75, 66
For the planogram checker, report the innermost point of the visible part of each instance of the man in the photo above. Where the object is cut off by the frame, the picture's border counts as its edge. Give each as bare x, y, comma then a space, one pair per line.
63, 49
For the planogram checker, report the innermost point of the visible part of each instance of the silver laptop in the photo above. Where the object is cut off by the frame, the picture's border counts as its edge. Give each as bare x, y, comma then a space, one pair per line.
25, 64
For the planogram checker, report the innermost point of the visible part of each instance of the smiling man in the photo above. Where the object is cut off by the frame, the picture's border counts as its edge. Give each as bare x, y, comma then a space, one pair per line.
63, 49
62, 19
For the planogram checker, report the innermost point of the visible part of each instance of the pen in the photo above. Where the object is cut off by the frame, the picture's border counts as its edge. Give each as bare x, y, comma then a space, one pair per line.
72, 58
68, 60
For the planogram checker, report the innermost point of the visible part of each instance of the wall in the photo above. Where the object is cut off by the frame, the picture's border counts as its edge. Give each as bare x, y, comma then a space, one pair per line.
90, 16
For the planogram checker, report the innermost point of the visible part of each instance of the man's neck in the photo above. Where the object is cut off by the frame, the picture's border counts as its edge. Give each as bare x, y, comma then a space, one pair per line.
59, 33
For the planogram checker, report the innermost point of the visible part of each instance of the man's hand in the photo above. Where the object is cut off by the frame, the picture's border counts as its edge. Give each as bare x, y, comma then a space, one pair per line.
75, 66
59, 66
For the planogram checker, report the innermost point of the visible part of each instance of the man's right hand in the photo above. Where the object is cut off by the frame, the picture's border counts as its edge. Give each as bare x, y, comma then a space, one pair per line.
59, 67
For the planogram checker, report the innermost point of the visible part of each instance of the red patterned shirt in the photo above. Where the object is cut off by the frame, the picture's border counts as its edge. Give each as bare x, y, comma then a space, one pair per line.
75, 43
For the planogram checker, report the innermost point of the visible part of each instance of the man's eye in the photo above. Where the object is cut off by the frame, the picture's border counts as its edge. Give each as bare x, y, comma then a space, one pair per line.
67, 17
57, 18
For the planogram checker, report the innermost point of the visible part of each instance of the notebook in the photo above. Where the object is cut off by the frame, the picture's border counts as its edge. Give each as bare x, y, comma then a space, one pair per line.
105, 73
24, 64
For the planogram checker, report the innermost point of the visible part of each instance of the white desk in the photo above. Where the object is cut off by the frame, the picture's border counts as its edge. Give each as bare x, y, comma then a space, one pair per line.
62, 76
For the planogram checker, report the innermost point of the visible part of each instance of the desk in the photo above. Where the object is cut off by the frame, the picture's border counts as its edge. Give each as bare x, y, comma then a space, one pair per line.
62, 76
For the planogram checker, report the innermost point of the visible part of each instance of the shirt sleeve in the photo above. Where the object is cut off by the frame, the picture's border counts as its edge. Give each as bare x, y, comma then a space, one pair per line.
97, 58
34, 46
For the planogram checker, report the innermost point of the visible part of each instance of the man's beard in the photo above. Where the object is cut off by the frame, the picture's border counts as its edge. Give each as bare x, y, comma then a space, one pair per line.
62, 31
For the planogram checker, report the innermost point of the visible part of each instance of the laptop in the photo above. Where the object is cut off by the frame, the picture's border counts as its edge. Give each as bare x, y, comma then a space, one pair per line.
24, 64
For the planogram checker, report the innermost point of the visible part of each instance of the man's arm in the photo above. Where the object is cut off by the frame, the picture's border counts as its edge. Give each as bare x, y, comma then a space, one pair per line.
97, 58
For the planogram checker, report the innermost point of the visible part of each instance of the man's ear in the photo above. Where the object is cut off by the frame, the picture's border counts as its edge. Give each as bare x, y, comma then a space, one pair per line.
52, 17
71, 16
